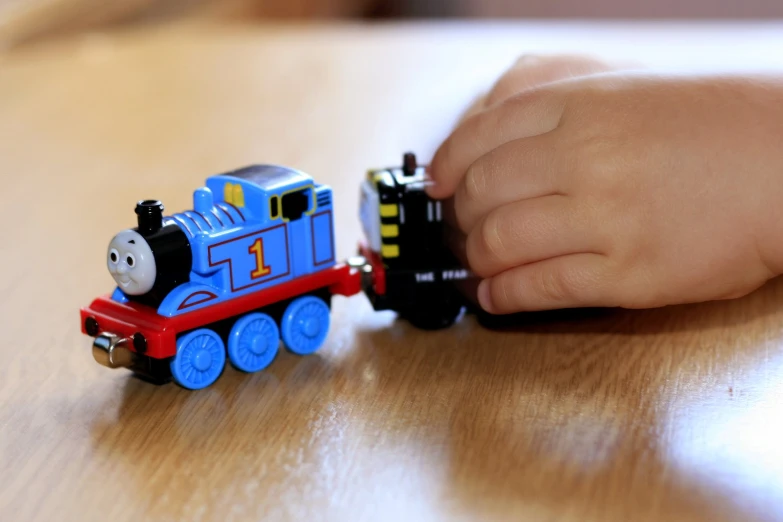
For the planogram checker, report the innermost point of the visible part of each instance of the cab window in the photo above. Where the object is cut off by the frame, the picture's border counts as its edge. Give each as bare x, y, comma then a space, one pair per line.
295, 204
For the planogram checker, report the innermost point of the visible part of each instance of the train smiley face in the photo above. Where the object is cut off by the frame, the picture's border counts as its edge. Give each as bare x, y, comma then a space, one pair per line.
131, 263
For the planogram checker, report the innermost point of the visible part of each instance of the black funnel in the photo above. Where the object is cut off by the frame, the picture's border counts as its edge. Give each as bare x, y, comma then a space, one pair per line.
409, 164
150, 216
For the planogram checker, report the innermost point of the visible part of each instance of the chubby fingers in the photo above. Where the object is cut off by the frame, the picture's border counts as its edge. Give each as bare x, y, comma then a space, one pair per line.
528, 231
527, 114
570, 281
518, 170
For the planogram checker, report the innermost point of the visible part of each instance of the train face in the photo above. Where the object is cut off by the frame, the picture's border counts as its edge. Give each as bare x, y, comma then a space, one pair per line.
412, 271
149, 261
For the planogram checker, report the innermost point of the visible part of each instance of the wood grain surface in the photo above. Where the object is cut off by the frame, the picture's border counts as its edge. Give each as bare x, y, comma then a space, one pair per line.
668, 414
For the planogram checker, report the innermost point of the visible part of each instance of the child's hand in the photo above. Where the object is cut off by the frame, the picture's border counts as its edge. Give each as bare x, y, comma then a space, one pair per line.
619, 190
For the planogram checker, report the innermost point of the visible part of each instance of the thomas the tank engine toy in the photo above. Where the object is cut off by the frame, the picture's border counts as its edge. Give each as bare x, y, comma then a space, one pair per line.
252, 263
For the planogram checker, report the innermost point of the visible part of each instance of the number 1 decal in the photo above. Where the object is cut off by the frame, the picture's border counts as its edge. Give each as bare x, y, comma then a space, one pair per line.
257, 248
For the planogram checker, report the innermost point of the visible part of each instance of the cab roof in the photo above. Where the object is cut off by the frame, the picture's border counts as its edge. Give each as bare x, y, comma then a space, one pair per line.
269, 177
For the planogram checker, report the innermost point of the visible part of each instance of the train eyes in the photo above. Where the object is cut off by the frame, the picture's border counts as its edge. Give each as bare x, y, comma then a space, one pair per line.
114, 257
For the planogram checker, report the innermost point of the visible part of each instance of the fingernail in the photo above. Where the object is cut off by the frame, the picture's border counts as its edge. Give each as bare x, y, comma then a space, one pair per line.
484, 297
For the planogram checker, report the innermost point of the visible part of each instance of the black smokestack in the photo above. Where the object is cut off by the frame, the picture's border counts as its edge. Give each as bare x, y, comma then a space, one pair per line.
409, 164
150, 216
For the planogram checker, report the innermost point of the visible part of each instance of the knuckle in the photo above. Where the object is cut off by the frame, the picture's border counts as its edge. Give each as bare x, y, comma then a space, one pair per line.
589, 284
529, 59
474, 186
527, 98
600, 168
491, 234
485, 248
552, 286
467, 199
574, 284
499, 92
581, 284
502, 292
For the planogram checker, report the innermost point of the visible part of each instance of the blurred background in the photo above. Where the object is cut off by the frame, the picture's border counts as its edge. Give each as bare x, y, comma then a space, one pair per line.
23, 21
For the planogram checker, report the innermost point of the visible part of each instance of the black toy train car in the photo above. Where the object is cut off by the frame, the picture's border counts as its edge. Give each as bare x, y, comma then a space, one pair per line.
409, 268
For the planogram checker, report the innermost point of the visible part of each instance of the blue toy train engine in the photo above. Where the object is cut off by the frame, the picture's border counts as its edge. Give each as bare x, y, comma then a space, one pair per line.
251, 264
249, 229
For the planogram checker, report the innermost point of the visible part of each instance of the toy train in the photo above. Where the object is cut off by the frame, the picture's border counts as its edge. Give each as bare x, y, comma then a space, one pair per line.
254, 262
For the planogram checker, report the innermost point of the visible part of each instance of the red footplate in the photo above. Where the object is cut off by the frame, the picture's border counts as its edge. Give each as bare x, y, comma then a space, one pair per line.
160, 333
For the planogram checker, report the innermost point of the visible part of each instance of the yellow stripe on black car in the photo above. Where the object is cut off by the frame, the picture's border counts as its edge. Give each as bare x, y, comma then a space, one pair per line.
390, 250
389, 210
390, 231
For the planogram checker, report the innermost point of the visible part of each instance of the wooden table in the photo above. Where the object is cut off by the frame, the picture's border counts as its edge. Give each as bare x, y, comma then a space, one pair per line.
669, 414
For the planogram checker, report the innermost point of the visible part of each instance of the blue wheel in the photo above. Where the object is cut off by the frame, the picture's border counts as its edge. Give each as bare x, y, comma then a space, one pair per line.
253, 342
200, 359
305, 325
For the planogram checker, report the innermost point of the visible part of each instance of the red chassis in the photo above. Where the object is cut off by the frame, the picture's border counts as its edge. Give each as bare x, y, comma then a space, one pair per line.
159, 333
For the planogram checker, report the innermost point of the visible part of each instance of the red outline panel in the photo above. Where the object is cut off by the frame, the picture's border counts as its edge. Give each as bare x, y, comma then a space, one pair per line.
231, 268
125, 319
209, 297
